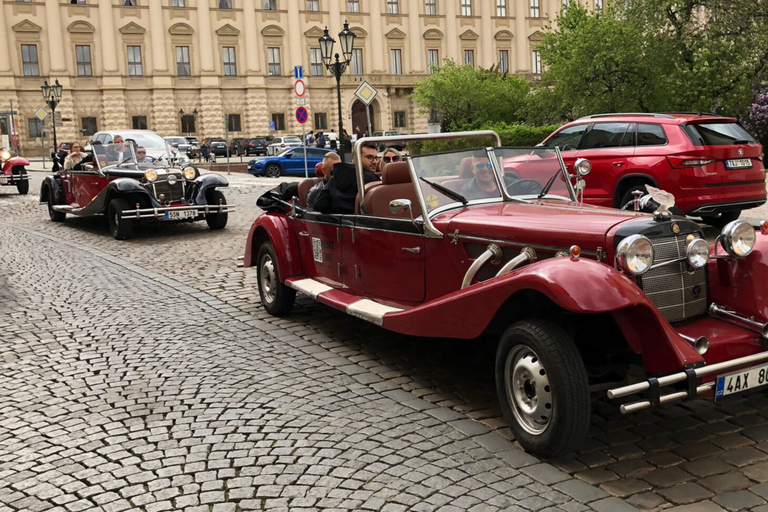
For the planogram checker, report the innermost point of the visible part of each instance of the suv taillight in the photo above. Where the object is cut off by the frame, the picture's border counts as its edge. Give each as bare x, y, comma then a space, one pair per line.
680, 161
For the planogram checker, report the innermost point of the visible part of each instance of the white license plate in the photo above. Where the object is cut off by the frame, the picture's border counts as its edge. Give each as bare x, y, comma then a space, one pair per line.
741, 380
3, 180
738, 163
180, 214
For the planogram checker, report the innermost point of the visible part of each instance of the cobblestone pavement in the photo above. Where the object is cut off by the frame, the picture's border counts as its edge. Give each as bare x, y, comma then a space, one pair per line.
372, 415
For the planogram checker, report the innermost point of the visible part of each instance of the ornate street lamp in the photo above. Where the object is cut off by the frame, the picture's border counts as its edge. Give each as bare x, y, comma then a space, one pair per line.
337, 68
52, 96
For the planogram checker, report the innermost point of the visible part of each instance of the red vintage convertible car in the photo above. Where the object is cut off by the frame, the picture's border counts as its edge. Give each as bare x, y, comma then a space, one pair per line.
14, 171
574, 293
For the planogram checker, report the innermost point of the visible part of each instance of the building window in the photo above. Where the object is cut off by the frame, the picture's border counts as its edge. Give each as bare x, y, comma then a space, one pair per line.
501, 8
469, 57
599, 6
29, 60
228, 58
313, 5
536, 62
315, 62
535, 8
356, 63
188, 123
396, 62
77, 2
321, 121
88, 125
279, 121
183, 67
433, 60
273, 61
430, 7
225, 4
83, 58
35, 127
129, 3
233, 123
134, 61
503, 61
353, 5
399, 119
393, 7
466, 7
139, 122
270, 5
178, 3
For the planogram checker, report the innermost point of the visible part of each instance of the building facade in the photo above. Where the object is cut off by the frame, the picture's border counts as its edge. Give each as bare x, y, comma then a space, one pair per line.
197, 67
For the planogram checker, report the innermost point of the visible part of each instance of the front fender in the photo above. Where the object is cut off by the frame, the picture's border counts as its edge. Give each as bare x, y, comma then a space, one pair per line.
581, 286
203, 183
274, 227
53, 184
12, 162
117, 187
739, 284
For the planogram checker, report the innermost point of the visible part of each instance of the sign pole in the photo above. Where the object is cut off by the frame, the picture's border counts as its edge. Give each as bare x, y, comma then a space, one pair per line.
304, 138
368, 117
226, 131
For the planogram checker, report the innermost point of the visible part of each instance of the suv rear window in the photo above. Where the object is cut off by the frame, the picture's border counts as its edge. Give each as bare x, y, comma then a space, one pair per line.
717, 134
649, 134
608, 135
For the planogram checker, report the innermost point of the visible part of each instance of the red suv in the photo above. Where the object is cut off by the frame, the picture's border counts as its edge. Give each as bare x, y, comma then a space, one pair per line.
712, 166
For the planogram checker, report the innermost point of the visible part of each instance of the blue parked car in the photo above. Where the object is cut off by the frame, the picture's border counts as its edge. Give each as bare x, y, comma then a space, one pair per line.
290, 162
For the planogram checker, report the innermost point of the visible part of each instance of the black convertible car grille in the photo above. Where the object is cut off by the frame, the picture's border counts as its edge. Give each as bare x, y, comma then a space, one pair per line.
676, 292
171, 193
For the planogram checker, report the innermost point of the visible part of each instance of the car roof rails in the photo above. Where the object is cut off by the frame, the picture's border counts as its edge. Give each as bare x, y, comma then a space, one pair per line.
627, 114
697, 113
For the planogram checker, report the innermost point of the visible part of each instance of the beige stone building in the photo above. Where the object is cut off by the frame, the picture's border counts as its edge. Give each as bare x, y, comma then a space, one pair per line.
139, 63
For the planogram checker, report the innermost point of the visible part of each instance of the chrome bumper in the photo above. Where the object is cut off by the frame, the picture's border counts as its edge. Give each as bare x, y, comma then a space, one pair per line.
13, 179
159, 213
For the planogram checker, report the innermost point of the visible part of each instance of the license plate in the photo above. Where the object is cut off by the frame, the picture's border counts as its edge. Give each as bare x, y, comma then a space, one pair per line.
738, 163
180, 214
742, 380
3, 180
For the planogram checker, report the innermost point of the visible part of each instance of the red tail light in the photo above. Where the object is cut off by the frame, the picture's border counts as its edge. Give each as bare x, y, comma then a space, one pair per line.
680, 161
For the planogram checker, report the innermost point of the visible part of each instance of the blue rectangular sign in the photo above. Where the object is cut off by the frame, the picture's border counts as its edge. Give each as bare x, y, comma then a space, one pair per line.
298, 72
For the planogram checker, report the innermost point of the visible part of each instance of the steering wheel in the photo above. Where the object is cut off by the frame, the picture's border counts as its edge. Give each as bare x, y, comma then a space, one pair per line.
524, 187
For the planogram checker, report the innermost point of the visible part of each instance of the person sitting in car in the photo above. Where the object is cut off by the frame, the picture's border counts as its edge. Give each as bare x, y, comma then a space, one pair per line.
118, 151
329, 160
339, 194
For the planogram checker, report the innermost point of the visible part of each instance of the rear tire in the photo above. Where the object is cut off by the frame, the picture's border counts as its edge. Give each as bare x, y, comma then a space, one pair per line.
276, 298
23, 186
121, 229
542, 387
719, 221
216, 220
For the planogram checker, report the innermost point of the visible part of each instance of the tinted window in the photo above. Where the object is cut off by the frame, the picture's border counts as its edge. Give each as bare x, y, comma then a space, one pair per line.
567, 139
650, 135
606, 135
297, 153
316, 153
717, 134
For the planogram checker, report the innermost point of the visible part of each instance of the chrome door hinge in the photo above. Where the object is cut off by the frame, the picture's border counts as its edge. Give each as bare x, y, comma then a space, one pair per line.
354, 236
455, 237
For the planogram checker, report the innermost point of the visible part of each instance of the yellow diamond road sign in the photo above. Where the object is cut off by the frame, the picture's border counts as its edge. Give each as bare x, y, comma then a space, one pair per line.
366, 92
41, 114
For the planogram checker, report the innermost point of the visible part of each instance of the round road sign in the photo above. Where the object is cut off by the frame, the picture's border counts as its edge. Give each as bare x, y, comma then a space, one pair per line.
299, 88
302, 115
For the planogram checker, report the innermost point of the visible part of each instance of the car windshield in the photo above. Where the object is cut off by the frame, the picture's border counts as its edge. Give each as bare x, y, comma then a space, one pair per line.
148, 140
290, 140
474, 175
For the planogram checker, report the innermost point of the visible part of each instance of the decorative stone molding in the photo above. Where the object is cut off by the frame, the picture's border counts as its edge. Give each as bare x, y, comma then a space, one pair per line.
314, 33
469, 35
133, 28
395, 33
27, 26
433, 34
181, 29
81, 27
503, 35
536, 37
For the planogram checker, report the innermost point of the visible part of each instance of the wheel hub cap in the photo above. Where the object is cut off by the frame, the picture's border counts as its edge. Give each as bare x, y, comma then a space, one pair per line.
528, 390
268, 279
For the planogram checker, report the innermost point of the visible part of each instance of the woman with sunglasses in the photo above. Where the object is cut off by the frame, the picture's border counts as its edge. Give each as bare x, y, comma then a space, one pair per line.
389, 155
75, 155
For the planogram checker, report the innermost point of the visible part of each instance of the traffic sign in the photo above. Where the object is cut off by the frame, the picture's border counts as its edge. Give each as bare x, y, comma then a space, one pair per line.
366, 92
302, 115
300, 102
299, 88
41, 114
298, 72
271, 125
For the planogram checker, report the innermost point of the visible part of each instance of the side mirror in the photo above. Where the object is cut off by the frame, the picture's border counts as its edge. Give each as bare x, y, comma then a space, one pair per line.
175, 145
400, 205
288, 155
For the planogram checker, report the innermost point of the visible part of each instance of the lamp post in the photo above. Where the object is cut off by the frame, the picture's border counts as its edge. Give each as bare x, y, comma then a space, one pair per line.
337, 68
181, 118
52, 96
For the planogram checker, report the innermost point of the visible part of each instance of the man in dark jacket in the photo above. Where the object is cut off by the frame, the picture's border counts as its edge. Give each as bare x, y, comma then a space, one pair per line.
339, 194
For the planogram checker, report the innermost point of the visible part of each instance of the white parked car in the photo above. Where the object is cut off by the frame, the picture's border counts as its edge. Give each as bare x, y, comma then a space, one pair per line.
280, 144
157, 147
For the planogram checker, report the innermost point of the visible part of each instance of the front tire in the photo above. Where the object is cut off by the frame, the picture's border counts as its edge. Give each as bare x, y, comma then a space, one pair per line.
121, 229
542, 387
273, 171
53, 214
22, 186
216, 220
276, 298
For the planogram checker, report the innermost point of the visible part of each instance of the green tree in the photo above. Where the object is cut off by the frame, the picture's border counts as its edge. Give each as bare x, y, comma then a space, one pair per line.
466, 98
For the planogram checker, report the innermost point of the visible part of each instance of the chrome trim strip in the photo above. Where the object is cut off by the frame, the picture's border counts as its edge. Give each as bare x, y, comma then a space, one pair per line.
508, 243
713, 207
309, 287
371, 311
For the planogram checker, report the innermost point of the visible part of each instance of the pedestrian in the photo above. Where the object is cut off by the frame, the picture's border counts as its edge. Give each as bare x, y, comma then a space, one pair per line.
359, 133
320, 140
205, 150
333, 140
310, 138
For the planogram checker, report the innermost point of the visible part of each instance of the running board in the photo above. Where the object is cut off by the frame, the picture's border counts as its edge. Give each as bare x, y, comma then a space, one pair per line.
360, 307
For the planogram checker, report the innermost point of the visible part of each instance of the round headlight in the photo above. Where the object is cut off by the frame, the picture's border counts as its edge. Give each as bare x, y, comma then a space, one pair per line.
151, 175
697, 253
738, 238
5, 155
635, 255
189, 173
582, 166
172, 179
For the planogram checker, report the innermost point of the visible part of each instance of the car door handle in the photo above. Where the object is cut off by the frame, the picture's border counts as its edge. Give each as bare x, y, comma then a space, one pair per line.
303, 233
618, 164
414, 250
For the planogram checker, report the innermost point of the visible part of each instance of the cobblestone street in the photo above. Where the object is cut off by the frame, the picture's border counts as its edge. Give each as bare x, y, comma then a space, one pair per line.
144, 375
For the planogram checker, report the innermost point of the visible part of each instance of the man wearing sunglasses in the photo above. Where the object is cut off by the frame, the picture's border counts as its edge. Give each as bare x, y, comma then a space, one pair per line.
483, 185
338, 196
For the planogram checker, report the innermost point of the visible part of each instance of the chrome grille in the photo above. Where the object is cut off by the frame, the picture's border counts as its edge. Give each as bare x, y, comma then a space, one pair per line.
172, 193
678, 293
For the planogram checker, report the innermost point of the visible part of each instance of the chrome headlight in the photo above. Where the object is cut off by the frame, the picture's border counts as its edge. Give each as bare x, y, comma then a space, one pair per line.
172, 179
5, 155
582, 166
697, 253
738, 238
151, 175
635, 255
189, 173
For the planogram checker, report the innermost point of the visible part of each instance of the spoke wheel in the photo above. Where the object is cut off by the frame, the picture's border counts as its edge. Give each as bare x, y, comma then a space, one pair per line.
273, 171
276, 298
542, 387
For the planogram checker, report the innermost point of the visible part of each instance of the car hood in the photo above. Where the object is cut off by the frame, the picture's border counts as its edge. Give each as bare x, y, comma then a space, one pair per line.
549, 223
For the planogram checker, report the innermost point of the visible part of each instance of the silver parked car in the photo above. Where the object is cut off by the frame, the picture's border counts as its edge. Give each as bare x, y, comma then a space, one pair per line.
280, 144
